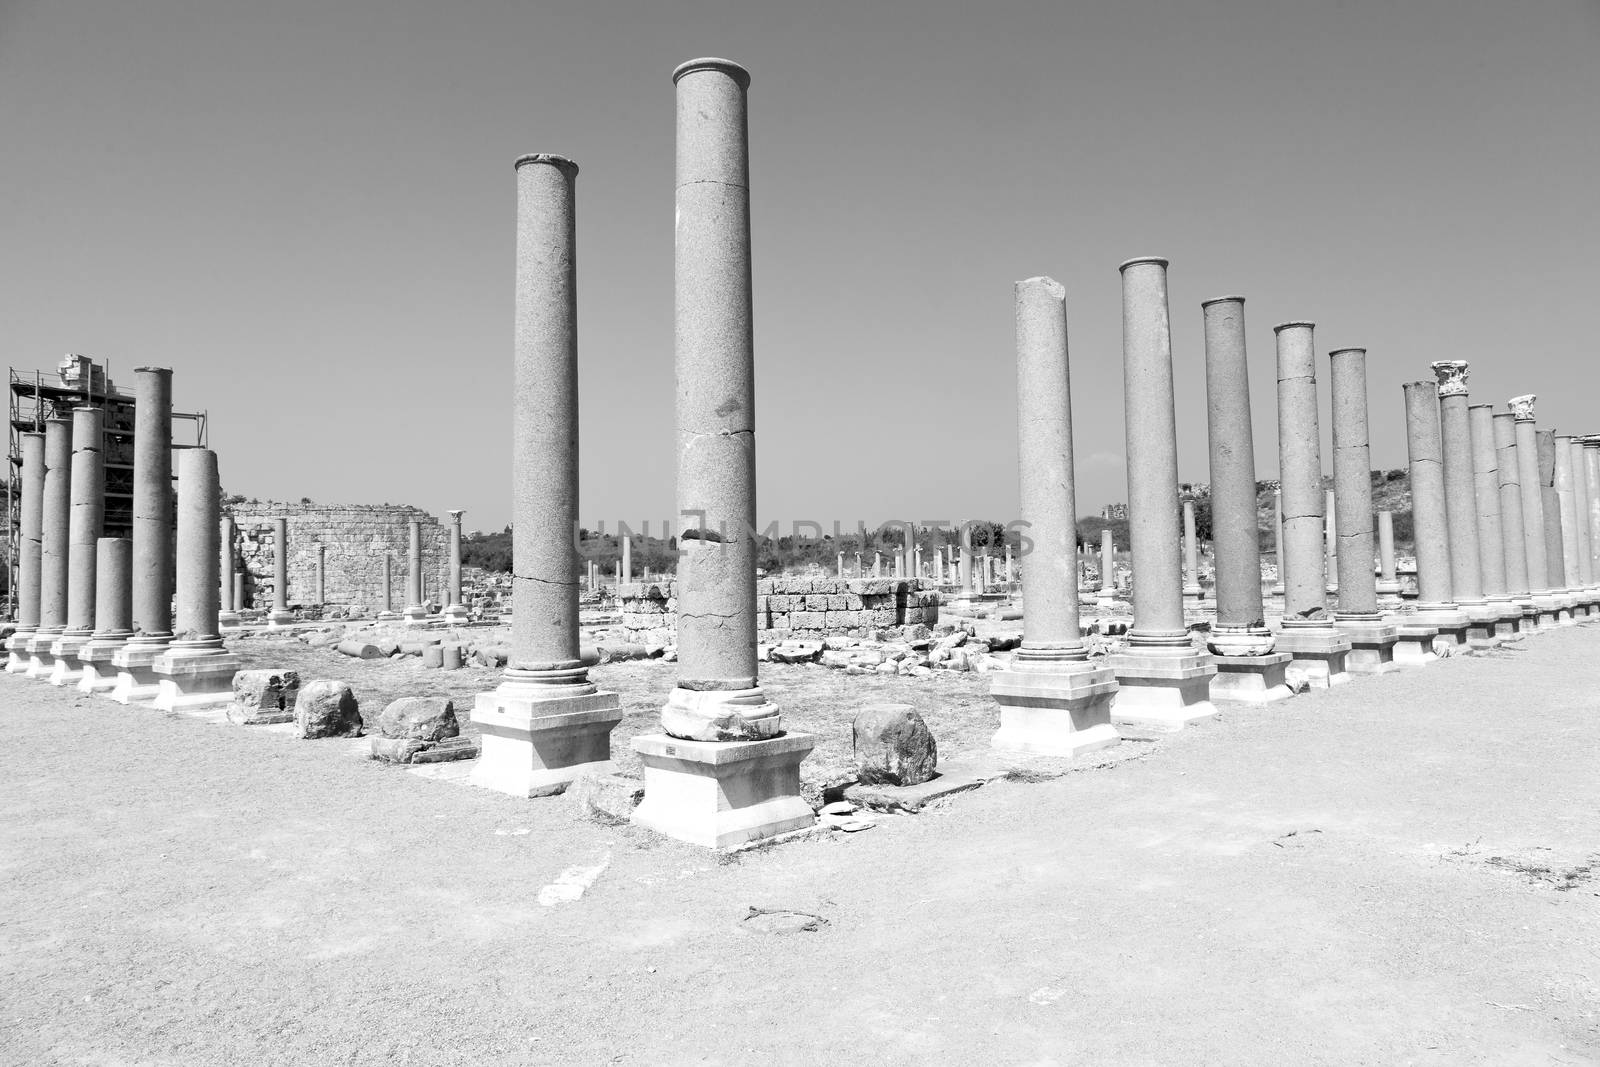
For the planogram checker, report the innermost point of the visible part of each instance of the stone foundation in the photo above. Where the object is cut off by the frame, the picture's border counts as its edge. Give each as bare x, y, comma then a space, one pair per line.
792, 606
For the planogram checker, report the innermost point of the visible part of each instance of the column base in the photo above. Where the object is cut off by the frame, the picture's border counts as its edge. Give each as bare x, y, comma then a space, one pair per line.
99, 676
1372, 644
136, 678
1162, 690
1251, 679
229, 619
1061, 711
456, 615
67, 669
536, 745
279, 619
1414, 645
720, 715
1482, 621
194, 679
1319, 652
719, 794
387, 616
17, 658
41, 661
1451, 623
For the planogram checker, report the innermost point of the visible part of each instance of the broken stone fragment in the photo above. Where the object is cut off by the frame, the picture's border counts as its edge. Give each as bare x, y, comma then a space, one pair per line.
359, 650
607, 798
327, 709
420, 719
893, 745
263, 696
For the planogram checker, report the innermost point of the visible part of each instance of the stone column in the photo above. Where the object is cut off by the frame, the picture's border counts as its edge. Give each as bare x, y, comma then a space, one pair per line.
1591, 470
1011, 573
546, 723
877, 564
838, 569
83, 531
30, 554
1491, 541
1053, 700
113, 614
1572, 550
416, 613
627, 560
1359, 618
1546, 601
1191, 558
1108, 571
968, 590
1164, 681
152, 538
1319, 651
1437, 617
280, 574
228, 617
1388, 586
196, 671
1580, 502
455, 612
1248, 668
322, 574
1461, 506
238, 592
1513, 534
1330, 534
388, 585
1555, 551
721, 737
53, 565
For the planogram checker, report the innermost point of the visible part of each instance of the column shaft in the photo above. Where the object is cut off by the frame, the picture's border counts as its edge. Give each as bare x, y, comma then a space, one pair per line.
1386, 545
113, 587
1580, 504
30, 555
88, 516
1302, 552
1460, 493
1352, 482
414, 568
198, 559
1555, 553
230, 602
1486, 496
1567, 503
1235, 533
152, 504
57, 525
280, 565
1429, 516
1532, 499
1513, 535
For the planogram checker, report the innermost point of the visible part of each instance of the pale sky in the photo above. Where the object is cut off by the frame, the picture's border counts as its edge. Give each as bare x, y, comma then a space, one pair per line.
305, 208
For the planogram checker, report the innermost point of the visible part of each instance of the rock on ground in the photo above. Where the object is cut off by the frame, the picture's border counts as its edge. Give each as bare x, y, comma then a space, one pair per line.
893, 745
327, 709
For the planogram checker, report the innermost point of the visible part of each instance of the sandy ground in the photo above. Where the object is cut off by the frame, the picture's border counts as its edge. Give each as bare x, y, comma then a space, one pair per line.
1402, 870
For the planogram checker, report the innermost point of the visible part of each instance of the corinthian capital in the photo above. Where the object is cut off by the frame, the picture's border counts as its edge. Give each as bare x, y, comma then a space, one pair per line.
1522, 407
1452, 375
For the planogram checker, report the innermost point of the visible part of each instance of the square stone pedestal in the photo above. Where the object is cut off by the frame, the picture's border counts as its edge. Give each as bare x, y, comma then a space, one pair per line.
1162, 691
41, 661
536, 748
723, 793
456, 615
1482, 622
1452, 626
1321, 653
1054, 712
199, 680
137, 682
229, 620
1251, 679
1372, 644
17, 658
67, 670
279, 619
1414, 645
1507, 619
99, 676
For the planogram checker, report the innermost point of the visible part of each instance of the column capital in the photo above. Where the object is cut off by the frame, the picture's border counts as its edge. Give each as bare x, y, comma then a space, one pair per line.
455, 515
727, 66
561, 163
1522, 406
1452, 375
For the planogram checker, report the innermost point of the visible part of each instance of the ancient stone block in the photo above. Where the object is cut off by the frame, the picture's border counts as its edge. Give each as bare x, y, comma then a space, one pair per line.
893, 745
327, 709
264, 696
419, 719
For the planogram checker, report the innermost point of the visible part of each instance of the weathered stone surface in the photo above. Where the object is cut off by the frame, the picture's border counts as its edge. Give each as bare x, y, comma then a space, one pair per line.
361, 650
796, 652
327, 708
893, 745
396, 749
433, 656
450, 657
419, 718
607, 798
264, 696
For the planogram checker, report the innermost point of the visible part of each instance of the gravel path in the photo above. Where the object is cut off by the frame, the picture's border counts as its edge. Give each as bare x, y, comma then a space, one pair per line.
1403, 870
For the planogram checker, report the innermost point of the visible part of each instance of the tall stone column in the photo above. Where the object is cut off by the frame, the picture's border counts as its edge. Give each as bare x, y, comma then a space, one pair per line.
968, 593
1359, 618
1461, 506
1192, 591
1053, 700
416, 612
1491, 540
1388, 586
1580, 498
53, 565
1513, 535
1591, 470
722, 738
1278, 588
455, 612
196, 671
1437, 616
1108, 571
229, 582
280, 575
1319, 651
322, 574
1164, 681
83, 531
1573, 551
1248, 668
627, 560
1555, 551
546, 722
113, 614
153, 558
30, 554
1546, 600
388, 584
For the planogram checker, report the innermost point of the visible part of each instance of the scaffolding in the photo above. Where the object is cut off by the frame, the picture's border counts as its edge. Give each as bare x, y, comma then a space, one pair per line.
37, 396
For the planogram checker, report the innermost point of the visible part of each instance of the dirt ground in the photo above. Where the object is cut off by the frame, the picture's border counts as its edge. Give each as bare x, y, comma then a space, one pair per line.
1401, 870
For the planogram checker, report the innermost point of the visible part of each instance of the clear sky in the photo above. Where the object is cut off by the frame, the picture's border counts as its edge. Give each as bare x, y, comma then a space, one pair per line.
305, 207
